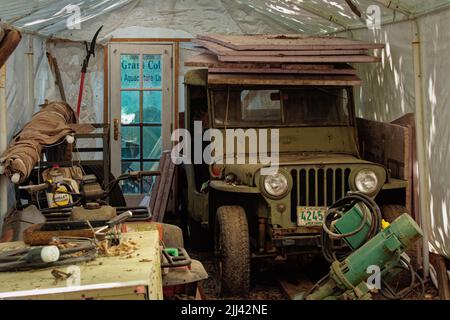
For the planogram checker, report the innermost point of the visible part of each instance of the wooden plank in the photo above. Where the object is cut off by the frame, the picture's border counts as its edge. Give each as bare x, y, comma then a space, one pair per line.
440, 266
287, 42
155, 190
211, 61
55, 68
302, 59
220, 50
150, 40
2, 77
277, 71
386, 144
166, 187
408, 121
280, 71
106, 84
285, 80
9, 43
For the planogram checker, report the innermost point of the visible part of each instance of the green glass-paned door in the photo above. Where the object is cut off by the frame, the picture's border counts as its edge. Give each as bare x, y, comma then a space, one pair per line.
141, 117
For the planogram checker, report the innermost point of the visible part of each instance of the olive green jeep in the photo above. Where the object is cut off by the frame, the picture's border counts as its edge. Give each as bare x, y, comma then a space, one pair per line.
252, 216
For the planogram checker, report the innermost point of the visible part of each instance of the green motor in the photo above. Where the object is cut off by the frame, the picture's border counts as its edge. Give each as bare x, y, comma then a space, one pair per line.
348, 279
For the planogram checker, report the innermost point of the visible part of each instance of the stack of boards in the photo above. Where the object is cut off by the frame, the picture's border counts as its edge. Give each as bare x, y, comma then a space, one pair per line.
291, 56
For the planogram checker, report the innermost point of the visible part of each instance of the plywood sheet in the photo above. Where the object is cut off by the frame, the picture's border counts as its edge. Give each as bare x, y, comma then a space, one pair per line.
220, 50
302, 59
215, 66
287, 42
285, 80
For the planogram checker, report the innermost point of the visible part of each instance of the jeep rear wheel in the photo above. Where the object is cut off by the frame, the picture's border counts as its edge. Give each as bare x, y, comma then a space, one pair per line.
232, 249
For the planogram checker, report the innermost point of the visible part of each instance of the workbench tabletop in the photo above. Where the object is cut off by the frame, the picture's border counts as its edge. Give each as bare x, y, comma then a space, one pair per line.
139, 268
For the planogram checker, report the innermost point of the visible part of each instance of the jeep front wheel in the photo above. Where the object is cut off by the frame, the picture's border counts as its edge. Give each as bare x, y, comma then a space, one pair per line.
232, 248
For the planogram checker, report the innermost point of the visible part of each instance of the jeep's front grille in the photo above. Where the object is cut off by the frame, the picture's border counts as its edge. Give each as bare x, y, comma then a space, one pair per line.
314, 187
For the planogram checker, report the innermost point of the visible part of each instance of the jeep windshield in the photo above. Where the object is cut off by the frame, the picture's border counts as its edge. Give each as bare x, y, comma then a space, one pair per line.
302, 106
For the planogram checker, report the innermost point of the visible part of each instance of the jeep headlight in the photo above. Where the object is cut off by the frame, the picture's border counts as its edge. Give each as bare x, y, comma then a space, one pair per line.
276, 185
366, 181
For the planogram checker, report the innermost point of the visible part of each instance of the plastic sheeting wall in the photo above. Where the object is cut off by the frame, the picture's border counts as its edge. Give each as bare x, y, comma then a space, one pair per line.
388, 93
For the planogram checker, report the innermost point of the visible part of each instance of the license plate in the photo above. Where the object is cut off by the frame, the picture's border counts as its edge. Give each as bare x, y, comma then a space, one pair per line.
310, 216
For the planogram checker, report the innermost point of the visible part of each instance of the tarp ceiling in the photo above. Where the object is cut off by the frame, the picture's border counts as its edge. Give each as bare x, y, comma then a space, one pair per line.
49, 17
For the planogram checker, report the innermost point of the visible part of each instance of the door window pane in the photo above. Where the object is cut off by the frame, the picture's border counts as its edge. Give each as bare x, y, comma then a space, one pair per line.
152, 142
130, 75
130, 107
148, 182
152, 71
152, 106
130, 142
129, 186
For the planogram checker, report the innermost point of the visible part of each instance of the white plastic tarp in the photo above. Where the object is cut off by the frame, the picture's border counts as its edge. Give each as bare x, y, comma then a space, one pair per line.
387, 92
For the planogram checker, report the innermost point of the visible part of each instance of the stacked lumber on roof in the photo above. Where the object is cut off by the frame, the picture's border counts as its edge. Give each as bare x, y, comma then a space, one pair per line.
321, 57
9, 40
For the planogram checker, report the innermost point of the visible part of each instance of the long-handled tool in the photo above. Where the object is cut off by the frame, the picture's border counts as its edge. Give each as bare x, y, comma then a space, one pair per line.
90, 50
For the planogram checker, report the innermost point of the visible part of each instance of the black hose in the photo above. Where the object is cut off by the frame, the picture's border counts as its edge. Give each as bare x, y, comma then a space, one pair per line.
389, 294
335, 212
16, 260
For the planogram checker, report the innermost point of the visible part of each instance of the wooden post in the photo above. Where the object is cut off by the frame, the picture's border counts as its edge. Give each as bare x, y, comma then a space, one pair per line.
9, 44
442, 275
3, 144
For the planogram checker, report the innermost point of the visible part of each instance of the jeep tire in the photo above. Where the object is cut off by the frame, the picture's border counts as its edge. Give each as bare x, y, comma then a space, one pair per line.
232, 249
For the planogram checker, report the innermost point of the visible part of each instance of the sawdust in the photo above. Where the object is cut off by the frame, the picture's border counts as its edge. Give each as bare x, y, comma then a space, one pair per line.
125, 248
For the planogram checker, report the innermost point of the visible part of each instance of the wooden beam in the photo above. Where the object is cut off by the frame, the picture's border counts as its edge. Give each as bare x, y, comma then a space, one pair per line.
55, 68
283, 80
288, 42
106, 84
215, 66
176, 83
440, 266
303, 59
221, 50
9, 43
150, 40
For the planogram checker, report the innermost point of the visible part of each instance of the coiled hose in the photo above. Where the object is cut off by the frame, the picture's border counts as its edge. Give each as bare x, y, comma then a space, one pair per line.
16, 260
371, 212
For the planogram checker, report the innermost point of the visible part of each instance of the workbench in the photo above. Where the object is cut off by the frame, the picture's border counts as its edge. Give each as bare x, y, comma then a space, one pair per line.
133, 276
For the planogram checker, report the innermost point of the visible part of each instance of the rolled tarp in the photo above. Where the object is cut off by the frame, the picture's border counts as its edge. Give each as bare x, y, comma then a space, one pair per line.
47, 127
9, 40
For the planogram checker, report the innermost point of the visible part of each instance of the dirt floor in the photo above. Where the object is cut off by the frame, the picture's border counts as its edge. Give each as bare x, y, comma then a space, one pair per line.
283, 281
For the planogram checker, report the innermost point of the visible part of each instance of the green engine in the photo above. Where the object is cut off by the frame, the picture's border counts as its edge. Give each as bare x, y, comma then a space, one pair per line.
348, 278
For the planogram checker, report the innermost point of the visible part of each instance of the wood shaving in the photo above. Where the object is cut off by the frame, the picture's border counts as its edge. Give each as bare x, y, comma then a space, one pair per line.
125, 248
